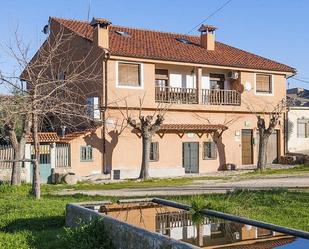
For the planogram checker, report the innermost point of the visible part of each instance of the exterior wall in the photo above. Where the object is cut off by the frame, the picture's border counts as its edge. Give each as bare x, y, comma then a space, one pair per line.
84, 168
125, 150
250, 101
297, 144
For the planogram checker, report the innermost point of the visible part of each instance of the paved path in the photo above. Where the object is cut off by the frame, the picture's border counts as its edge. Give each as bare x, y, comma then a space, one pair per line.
202, 186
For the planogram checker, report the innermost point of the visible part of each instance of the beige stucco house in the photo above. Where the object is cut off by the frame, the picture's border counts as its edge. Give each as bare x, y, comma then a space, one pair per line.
213, 93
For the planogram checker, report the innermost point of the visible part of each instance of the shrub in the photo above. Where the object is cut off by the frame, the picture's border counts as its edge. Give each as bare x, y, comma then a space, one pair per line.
87, 236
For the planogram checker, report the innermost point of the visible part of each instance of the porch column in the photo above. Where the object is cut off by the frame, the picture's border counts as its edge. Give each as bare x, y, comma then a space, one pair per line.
28, 164
53, 155
198, 73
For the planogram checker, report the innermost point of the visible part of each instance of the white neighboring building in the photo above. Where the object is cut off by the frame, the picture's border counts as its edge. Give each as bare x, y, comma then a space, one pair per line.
298, 122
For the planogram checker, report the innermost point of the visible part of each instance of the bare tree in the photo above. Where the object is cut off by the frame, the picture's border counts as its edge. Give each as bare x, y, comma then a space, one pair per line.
266, 130
59, 78
146, 126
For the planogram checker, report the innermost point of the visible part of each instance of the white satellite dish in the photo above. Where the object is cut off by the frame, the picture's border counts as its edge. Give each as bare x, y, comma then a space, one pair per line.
248, 86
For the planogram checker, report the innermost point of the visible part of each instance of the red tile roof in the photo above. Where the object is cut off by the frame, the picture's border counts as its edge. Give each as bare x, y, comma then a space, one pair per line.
192, 127
71, 136
45, 137
148, 44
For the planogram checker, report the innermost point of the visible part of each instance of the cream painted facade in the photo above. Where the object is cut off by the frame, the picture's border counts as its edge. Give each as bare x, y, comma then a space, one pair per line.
123, 149
296, 143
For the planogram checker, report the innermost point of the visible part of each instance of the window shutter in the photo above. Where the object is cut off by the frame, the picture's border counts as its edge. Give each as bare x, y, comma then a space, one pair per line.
301, 129
263, 83
213, 150
129, 74
154, 151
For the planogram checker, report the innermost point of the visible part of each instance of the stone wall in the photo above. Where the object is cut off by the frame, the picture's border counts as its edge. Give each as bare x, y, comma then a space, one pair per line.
122, 235
5, 175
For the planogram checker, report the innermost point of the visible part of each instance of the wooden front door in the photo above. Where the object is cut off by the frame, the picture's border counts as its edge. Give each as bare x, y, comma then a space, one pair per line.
272, 148
247, 146
190, 157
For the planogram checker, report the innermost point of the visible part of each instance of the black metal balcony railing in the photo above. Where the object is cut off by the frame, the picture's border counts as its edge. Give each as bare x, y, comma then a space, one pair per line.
179, 95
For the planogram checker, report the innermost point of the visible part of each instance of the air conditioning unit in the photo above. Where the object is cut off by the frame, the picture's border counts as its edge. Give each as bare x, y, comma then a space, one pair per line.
233, 75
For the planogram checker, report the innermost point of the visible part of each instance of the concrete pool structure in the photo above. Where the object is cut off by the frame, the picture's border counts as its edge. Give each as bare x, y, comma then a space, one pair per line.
158, 223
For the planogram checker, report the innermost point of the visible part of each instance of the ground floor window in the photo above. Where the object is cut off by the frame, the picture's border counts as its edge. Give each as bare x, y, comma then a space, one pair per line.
209, 150
154, 151
85, 153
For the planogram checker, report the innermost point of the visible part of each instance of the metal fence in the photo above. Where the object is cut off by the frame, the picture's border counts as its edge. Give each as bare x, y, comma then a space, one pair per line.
6, 153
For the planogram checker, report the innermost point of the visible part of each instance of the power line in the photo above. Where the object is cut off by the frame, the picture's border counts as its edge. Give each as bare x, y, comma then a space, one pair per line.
303, 81
211, 15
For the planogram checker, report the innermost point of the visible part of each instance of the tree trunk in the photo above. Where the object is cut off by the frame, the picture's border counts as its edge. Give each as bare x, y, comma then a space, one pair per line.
199, 236
144, 174
217, 137
261, 164
36, 190
16, 167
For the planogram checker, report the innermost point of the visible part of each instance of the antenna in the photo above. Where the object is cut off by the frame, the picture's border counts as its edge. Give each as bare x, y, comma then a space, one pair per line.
89, 7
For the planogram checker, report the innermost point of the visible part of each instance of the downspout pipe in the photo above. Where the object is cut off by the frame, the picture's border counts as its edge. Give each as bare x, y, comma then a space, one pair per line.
106, 57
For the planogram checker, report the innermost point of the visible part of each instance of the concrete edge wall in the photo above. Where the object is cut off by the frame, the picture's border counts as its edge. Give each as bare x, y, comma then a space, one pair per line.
122, 235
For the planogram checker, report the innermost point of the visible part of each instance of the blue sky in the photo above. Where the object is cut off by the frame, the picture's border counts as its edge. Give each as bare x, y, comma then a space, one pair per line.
277, 29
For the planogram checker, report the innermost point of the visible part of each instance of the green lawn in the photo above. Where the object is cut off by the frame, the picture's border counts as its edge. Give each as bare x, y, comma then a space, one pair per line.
300, 169
29, 223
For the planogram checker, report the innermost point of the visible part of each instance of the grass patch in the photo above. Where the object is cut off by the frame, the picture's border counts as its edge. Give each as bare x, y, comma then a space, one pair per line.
281, 207
29, 223
297, 170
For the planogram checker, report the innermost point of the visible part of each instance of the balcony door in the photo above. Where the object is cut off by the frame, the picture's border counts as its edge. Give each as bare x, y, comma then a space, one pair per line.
190, 157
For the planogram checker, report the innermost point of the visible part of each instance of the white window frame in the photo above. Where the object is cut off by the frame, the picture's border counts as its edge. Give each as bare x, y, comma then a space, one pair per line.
272, 85
141, 75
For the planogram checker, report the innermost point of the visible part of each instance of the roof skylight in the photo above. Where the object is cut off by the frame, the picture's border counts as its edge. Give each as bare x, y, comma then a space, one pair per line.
123, 33
183, 40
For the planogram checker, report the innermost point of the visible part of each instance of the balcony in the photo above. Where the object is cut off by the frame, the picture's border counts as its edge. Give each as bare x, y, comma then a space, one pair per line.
220, 97
178, 95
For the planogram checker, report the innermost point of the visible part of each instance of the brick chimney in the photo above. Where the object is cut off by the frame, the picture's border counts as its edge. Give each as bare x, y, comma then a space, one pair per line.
100, 31
208, 37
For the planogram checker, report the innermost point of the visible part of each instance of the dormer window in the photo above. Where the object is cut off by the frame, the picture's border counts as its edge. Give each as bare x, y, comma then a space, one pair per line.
123, 33
183, 40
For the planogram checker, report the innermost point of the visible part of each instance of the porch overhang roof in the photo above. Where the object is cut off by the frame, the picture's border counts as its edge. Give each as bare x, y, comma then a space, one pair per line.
192, 127
45, 137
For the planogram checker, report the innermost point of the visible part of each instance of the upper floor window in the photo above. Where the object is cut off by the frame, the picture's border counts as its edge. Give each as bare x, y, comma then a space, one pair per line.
129, 74
302, 128
161, 77
216, 81
263, 83
93, 107
209, 150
